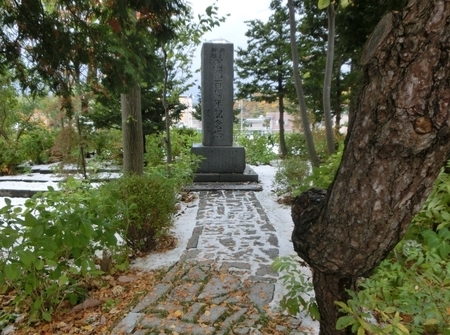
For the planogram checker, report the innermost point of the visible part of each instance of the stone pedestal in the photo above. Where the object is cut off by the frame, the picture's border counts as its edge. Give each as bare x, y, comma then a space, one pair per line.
220, 159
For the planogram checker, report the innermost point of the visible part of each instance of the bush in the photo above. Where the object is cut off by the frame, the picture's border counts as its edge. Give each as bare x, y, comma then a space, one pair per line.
146, 208
259, 147
296, 145
184, 163
10, 157
36, 143
295, 175
48, 248
290, 175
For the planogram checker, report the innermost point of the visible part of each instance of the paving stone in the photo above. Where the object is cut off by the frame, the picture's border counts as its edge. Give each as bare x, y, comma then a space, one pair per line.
237, 265
195, 274
232, 319
227, 242
151, 298
193, 312
212, 314
190, 254
219, 285
193, 241
271, 252
176, 271
266, 270
143, 332
128, 324
219, 300
152, 322
167, 308
261, 294
267, 227
185, 292
273, 240
241, 330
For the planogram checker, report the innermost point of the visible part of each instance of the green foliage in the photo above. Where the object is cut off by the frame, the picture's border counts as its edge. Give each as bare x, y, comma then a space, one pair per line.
48, 246
184, 163
36, 143
10, 157
296, 145
323, 175
299, 296
259, 147
435, 213
146, 205
107, 145
409, 291
290, 175
295, 174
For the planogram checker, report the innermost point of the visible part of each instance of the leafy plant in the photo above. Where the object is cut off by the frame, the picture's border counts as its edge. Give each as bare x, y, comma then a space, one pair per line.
48, 246
259, 147
299, 288
146, 207
290, 174
184, 163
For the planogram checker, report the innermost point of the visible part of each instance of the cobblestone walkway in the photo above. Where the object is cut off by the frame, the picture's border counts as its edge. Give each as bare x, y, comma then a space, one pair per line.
223, 282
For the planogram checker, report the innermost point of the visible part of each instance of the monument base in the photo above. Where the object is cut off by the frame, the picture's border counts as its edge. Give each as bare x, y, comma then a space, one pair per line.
247, 176
220, 159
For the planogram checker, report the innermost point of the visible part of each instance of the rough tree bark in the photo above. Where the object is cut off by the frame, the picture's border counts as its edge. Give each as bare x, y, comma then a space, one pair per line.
132, 133
398, 139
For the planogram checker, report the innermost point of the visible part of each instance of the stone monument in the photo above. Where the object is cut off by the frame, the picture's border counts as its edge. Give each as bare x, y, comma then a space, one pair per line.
221, 160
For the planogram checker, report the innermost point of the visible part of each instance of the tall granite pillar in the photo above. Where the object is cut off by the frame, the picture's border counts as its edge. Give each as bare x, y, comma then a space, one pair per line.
221, 158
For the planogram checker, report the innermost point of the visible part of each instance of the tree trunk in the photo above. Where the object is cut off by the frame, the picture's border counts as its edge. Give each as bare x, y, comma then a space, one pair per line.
327, 80
166, 109
338, 96
133, 147
398, 139
283, 149
299, 88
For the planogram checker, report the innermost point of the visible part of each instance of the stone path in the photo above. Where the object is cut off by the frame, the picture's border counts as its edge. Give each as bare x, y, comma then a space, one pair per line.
223, 281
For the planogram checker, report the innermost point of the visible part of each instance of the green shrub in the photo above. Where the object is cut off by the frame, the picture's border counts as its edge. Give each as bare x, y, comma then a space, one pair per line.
295, 175
290, 175
259, 147
147, 206
10, 157
107, 144
36, 143
184, 163
296, 145
300, 295
48, 247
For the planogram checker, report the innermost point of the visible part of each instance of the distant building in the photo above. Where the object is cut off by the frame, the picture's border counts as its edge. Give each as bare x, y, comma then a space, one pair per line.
268, 123
187, 118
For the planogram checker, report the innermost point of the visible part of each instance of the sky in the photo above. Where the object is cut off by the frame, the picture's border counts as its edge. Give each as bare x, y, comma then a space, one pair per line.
234, 28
